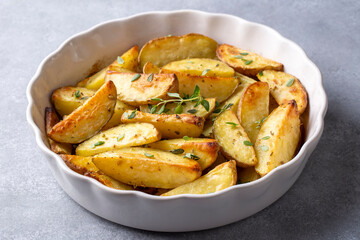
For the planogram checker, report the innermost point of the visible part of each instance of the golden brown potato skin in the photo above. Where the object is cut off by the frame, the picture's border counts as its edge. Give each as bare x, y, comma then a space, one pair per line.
234, 58
170, 126
247, 175
51, 119
88, 119
150, 68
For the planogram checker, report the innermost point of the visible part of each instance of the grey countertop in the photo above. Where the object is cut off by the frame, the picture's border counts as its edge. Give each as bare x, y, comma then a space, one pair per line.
323, 204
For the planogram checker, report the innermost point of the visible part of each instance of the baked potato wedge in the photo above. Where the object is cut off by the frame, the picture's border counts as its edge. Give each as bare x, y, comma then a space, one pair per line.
136, 89
207, 130
211, 87
247, 175
170, 126
163, 50
150, 68
221, 177
85, 166
88, 119
67, 99
285, 87
200, 67
147, 167
245, 62
51, 119
119, 110
233, 140
124, 135
188, 108
203, 150
253, 108
278, 138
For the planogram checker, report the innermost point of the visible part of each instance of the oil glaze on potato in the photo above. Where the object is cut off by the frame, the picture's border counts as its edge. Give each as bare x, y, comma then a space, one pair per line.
221, 177
278, 138
147, 167
88, 119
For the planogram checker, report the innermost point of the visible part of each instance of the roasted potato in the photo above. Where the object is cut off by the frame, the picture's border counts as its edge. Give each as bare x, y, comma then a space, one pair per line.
207, 130
150, 68
253, 108
188, 108
51, 119
245, 62
247, 175
170, 126
285, 87
125, 135
203, 150
233, 140
136, 89
200, 67
115, 119
221, 177
147, 167
163, 50
87, 119
85, 166
278, 137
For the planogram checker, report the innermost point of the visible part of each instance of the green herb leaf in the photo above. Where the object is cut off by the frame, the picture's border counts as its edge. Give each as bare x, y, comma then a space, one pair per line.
248, 62
266, 138
205, 72
263, 120
290, 82
238, 57
156, 99
120, 60
150, 77
153, 109
148, 155
217, 103
179, 108
217, 110
190, 61
196, 92
264, 148
177, 151
121, 136
84, 98
192, 111
191, 156
186, 138
229, 106
248, 143
175, 95
197, 103
232, 123
166, 110
132, 115
99, 143
136, 77
244, 53
169, 35
161, 110
205, 104
261, 73
77, 93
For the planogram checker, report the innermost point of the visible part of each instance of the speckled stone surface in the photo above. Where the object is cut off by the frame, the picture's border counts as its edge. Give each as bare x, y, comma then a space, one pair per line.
323, 204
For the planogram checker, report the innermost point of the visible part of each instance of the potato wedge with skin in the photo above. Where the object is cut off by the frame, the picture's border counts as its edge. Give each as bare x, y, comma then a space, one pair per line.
205, 149
221, 177
52, 119
150, 68
67, 99
210, 87
200, 67
147, 167
245, 62
246, 175
207, 130
135, 89
87, 119
188, 108
253, 107
122, 136
278, 138
285, 87
115, 119
85, 166
163, 50
233, 140
170, 126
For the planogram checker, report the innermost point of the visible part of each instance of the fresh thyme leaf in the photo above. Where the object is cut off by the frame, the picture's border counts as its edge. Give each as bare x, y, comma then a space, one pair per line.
217, 110
191, 156
136, 77
248, 62
290, 82
175, 95
263, 120
120, 60
150, 77
121, 136
153, 109
99, 143
265, 138
192, 111
264, 148
177, 151
248, 143
77, 93
161, 110
238, 57
84, 98
261, 73
197, 103
186, 138
217, 103
132, 115
179, 108
205, 72
232, 123
156, 99
229, 106
196, 92
205, 104
244, 53
148, 155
